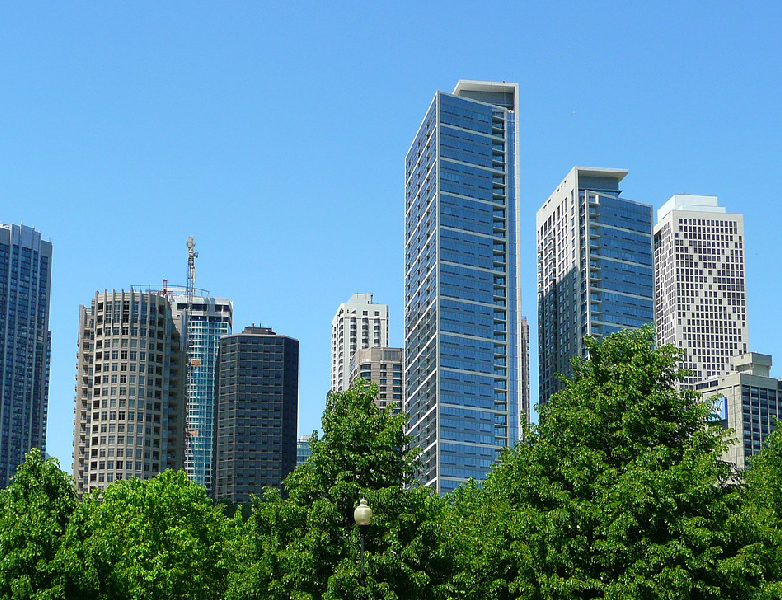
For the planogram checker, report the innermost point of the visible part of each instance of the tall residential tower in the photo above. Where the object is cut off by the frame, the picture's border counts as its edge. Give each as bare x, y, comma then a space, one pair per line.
201, 325
25, 344
359, 323
595, 271
700, 290
462, 285
130, 389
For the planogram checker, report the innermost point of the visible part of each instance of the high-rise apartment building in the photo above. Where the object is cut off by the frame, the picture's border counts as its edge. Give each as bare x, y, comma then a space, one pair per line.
595, 268
701, 298
359, 323
130, 389
25, 344
462, 284
257, 412
749, 401
383, 366
201, 326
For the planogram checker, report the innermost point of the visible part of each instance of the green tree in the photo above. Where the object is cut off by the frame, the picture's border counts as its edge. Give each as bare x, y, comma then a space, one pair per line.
306, 545
156, 539
619, 493
34, 514
764, 505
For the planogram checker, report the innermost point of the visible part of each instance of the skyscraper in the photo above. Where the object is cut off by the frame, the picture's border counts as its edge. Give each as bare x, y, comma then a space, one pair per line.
595, 271
130, 389
202, 326
383, 366
701, 298
257, 412
25, 344
359, 323
462, 285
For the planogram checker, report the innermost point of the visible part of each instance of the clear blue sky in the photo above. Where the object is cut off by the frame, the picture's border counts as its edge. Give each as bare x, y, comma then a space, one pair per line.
275, 134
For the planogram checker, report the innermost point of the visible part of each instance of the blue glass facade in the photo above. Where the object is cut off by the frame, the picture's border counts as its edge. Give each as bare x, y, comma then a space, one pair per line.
208, 320
595, 268
25, 344
462, 300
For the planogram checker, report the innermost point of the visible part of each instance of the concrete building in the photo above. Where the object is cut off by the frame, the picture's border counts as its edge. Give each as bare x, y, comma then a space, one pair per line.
25, 344
701, 301
256, 414
463, 360
595, 268
201, 328
383, 366
748, 400
130, 389
359, 323
303, 451
524, 405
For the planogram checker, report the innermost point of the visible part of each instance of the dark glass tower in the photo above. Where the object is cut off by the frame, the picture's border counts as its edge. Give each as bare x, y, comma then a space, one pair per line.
256, 413
25, 344
462, 293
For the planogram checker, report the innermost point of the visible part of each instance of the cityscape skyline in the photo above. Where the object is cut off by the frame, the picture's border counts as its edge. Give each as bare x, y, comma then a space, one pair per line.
183, 120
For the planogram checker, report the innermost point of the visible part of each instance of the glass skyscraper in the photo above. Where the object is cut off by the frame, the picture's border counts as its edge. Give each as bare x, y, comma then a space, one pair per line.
208, 320
462, 290
25, 344
595, 272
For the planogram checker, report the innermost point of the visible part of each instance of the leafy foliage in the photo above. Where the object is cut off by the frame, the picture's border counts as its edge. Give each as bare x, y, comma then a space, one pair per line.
620, 492
34, 514
156, 539
764, 510
306, 546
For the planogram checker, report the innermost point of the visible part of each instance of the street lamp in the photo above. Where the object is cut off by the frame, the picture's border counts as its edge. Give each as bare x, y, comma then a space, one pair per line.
363, 516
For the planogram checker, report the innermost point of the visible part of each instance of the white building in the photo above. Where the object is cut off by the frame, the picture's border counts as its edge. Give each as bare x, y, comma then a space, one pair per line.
700, 293
359, 323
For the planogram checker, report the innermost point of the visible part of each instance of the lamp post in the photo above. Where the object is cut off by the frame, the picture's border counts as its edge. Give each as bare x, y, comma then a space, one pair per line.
363, 516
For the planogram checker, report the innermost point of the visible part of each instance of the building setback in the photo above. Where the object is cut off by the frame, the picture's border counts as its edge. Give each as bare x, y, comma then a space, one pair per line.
749, 401
25, 344
359, 323
130, 389
256, 414
595, 268
701, 298
462, 282
208, 320
382, 366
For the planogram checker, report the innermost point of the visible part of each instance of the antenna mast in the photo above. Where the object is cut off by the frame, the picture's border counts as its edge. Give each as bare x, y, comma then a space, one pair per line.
191, 256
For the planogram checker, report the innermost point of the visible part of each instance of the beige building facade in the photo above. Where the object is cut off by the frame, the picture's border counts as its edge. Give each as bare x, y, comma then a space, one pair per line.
383, 366
130, 390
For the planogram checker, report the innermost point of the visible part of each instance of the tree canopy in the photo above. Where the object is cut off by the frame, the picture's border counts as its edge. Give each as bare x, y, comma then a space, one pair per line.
619, 493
